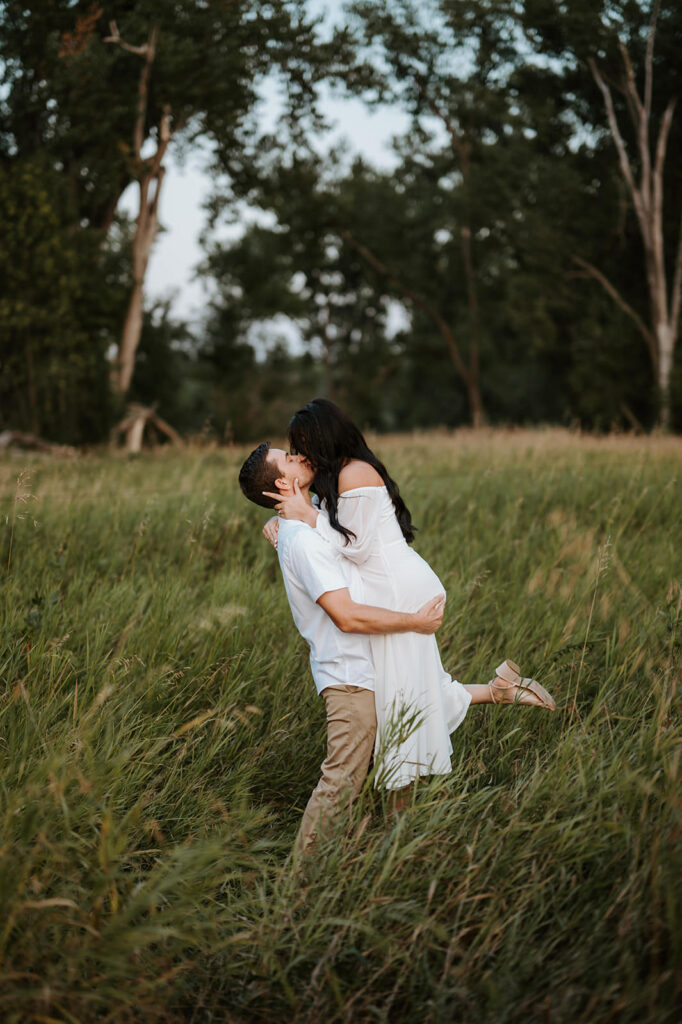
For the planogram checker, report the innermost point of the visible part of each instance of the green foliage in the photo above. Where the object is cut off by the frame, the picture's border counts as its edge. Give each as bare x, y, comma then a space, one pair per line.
68, 105
73, 96
161, 736
55, 315
301, 268
507, 146
250, 399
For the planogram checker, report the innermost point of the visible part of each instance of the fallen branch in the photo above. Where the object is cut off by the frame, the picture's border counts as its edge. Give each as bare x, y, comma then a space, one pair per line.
31, 442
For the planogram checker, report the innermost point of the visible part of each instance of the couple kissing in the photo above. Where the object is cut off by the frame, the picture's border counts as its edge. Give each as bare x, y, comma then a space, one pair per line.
368, 606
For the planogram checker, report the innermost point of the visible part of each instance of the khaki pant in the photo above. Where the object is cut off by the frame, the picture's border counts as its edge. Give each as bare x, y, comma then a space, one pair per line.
351, 729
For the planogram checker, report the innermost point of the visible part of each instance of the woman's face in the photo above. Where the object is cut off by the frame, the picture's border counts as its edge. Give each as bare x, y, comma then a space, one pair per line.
299, 448
303, 461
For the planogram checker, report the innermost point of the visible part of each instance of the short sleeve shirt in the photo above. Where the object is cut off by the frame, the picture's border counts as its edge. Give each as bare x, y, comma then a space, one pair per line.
310, 568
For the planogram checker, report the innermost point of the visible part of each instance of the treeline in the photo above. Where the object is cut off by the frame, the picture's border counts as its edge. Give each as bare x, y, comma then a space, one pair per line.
528, 235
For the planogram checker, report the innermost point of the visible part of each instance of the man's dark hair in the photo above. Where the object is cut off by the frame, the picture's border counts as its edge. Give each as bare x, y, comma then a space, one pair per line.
258, 475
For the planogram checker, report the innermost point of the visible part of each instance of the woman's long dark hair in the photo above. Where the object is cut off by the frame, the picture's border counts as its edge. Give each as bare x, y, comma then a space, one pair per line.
328, 438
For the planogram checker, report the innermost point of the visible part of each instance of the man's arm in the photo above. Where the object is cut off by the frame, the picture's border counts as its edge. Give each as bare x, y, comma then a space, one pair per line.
350, 617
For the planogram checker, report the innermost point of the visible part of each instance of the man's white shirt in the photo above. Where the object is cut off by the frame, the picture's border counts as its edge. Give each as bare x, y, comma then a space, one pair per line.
311, 567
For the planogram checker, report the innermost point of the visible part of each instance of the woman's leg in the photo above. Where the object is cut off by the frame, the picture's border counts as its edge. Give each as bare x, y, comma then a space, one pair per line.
398, 799
481, 694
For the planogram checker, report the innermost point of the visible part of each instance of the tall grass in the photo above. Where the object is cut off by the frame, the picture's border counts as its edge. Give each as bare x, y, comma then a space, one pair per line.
160, 736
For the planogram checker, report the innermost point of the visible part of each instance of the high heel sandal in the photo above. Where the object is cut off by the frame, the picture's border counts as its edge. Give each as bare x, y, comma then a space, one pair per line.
511, 673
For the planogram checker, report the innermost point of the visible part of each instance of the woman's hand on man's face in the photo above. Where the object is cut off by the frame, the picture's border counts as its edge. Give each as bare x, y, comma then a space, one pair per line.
294, 505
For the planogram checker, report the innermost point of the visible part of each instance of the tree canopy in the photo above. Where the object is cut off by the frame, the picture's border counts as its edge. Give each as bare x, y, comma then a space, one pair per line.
498, 271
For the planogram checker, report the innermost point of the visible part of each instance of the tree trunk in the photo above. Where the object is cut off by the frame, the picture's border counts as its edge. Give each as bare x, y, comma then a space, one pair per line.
463, 148
150, 172
134, 435
665, 339
478, 418
145, 234
130, 339
647, 198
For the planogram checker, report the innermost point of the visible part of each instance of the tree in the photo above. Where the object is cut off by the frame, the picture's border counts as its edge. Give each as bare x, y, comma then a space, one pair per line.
647, 198
494, 82
72, 91
150, 173
58, 295
611, 45
418, 57
301, 269
502, 178
348, 243
452, 68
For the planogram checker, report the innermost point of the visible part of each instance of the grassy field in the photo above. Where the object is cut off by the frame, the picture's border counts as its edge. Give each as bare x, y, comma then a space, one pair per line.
160, 736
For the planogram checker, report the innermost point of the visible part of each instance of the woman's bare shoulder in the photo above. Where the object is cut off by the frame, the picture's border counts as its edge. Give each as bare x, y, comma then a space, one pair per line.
357, 473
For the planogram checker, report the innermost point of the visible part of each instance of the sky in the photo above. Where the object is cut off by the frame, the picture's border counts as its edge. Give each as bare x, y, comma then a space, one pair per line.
177, 251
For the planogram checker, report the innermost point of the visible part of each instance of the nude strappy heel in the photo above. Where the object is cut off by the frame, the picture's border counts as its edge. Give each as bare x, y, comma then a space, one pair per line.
511, 673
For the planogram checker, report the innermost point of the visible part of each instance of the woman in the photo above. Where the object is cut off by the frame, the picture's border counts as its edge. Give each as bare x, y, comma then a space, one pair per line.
362, 513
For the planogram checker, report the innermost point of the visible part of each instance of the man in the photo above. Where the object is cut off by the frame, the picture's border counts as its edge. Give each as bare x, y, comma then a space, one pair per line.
325, 591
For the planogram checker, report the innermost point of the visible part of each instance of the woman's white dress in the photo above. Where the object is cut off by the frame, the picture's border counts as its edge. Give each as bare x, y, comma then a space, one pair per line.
418, 703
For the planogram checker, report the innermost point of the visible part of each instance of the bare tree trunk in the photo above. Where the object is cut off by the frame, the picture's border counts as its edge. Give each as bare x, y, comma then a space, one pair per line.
150, 174
666, 344
647, 197
143, 241
476, 404
130, 337
134, 435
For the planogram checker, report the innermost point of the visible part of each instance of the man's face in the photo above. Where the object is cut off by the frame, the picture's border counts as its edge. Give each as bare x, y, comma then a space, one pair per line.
290, 468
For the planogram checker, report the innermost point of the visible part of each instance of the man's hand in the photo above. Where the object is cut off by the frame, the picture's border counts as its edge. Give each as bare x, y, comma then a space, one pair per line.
430, 615
294, 505
271, 531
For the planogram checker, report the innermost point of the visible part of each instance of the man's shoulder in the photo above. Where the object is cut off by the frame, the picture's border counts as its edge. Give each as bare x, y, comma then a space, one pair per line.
303, 543
289, 533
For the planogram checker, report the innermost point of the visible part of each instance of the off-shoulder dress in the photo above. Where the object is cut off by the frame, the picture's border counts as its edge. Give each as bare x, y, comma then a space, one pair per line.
411, 684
